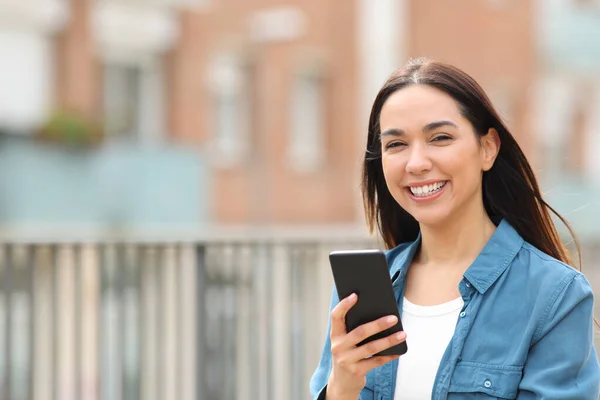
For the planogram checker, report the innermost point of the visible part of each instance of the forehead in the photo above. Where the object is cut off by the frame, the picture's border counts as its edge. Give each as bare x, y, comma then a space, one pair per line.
416, 106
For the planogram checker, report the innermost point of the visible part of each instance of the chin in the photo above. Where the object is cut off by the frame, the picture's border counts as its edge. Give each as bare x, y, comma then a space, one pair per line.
431, 218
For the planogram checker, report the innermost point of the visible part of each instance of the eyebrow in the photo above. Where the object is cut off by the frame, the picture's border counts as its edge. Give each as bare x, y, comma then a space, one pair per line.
427, 128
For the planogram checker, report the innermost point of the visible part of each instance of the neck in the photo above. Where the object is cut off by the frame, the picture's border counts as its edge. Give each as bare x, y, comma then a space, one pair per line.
458, 242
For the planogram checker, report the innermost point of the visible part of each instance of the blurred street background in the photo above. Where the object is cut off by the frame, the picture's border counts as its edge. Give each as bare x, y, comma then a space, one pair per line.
173, 174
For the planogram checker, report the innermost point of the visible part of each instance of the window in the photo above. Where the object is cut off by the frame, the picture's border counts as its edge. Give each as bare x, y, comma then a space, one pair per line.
26, 79
231, 93
307, 131
121, 100
133, 101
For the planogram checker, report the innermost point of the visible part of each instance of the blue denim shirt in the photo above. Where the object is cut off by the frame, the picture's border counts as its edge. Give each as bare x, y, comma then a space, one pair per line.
525, 332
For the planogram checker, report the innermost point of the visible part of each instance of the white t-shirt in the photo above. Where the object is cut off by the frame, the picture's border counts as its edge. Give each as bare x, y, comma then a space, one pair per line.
428, 330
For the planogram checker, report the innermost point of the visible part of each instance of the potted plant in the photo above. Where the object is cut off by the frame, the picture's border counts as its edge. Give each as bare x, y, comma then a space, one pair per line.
71, 129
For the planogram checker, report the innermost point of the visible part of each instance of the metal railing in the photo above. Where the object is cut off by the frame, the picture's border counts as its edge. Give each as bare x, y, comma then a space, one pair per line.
219, 319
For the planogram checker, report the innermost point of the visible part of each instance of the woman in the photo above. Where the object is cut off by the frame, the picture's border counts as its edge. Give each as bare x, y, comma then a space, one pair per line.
489, 305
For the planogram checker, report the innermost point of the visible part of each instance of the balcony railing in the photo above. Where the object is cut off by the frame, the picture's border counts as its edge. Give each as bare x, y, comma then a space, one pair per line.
116, 186
227, 318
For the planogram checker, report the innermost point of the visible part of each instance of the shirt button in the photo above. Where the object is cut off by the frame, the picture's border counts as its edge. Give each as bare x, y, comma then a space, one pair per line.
462, 314
487, 384
468, 284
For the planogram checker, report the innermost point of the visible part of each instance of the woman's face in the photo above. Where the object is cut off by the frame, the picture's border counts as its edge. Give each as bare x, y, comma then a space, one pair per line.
432, 158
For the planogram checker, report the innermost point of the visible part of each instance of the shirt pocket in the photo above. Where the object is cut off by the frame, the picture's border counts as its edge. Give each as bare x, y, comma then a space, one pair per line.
485, 381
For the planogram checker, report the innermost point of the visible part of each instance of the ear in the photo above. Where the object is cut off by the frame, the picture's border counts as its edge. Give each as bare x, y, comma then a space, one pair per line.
490, 146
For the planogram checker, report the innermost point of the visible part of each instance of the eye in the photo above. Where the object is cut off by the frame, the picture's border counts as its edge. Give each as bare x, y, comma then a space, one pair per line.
392, 145
441, 138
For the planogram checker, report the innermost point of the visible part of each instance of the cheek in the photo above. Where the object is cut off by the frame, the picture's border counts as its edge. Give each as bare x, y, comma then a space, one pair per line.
393, 167
455, 164
461, 161
465, 170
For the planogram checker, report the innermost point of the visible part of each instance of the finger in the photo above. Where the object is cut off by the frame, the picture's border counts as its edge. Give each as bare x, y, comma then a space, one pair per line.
365, 366
374, 347
371, 328
338, 315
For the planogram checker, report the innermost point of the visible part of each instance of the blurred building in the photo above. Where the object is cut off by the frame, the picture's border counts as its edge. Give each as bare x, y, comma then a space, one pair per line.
273, 97
566, 97
270, 91
288, 89
287, 92
566, 118
255, 113
86, 143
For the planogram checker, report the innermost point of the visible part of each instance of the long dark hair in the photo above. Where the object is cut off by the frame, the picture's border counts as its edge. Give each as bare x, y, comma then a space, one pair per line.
510, 188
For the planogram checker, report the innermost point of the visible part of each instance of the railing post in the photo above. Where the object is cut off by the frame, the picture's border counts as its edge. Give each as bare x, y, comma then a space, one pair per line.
188, 302
89, 322
169, 324
280, 318
244, 362
200, 320
298, 310
111, 325
43, 364
65, 320
261, 332
150, 376
129, 267
5, 305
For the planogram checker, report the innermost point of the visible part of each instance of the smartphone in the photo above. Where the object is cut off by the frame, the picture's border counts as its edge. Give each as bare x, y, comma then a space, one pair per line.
366, 273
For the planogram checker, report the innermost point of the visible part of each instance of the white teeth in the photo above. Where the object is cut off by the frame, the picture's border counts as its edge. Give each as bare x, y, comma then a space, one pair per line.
427, 190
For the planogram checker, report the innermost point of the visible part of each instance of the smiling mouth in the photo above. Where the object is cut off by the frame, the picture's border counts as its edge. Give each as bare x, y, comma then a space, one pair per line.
427, 190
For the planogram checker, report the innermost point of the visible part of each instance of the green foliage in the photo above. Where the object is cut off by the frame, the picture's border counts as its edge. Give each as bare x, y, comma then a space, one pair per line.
71, 129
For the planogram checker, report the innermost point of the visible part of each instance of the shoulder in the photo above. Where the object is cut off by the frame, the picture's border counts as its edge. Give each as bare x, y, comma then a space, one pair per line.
551, 286
546, 269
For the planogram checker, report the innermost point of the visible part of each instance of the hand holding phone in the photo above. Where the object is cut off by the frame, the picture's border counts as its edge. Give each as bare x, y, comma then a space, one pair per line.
365, 326
351, 362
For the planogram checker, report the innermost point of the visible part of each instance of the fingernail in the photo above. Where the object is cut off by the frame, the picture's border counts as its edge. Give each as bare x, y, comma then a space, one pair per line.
352, 296
391, 319
400, 335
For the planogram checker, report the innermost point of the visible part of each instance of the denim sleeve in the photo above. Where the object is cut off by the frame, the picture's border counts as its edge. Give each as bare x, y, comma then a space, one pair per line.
321, 375
562, 362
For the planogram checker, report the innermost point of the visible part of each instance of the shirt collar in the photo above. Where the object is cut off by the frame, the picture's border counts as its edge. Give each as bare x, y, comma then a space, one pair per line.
492, 261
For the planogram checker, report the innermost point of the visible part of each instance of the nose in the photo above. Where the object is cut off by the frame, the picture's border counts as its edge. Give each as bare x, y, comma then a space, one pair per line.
418, 161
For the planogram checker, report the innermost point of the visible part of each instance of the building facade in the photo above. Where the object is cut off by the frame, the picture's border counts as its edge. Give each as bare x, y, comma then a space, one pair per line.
274, 96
